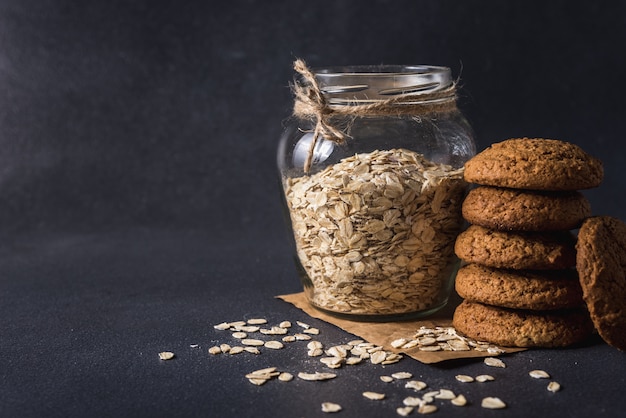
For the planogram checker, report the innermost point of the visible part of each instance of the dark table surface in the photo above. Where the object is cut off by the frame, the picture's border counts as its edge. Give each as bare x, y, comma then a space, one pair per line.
139, 201
85, 316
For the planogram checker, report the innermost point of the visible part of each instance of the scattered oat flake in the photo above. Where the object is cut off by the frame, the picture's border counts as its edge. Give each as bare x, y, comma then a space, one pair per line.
312, 345
410, 344
303, 325
240, 335
248, 328
236, 350
554, 387
464, 378
402, 375
495, 350
265, 371
257, 381
166, 355
445, 394
412, 401
426, 409
492, 403
430, 395
225, 348
258, 378
494, 362
215, 350
285, 324
331, 407
252, 341
457, 345
316, 376
399, 342
378, 357
251, 350
274, 331
539, 374
275, 345
350, 361
332, 362
459, 401
289, 339
222, 327
312, 331
484, 378
375, 396
386, 379
257, 321
427, 341
315, 352
285, 377
415, 385
337, 351
404, 411
302, 337
430, 348
391, 358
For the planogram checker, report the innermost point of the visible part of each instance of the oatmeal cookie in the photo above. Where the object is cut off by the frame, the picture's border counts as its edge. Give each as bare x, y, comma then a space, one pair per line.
535, 164
522, 328
525, 210
519, 289
601, 263
517, 250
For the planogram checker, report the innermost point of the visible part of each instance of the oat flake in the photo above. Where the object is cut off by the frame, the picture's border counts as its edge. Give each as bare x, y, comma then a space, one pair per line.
331, 407
492, 403
494, 362
554, 387
404, 411
459, 401
166, 355
539, 374
426, 409
375, 396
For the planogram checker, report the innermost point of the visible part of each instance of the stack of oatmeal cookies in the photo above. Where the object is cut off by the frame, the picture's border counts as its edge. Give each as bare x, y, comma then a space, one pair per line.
519, 280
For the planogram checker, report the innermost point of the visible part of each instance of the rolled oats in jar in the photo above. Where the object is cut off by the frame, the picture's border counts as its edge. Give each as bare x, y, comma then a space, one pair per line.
371, 165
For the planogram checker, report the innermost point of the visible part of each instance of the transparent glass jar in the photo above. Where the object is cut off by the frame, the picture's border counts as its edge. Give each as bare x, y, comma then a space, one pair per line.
371, 168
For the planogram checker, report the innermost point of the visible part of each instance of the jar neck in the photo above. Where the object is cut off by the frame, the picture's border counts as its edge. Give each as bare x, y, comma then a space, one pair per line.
372, 90
368, 91
400, 85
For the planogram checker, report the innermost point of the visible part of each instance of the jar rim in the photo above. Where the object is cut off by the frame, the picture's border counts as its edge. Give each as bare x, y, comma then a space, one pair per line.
379, 70
369, 83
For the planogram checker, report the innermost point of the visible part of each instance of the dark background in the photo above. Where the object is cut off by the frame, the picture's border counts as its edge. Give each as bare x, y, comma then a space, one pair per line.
139, 201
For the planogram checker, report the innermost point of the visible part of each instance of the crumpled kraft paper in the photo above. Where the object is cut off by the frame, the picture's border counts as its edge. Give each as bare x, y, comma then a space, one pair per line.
383, 333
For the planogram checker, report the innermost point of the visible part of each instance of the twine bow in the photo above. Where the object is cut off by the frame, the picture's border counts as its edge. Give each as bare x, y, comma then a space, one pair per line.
310, 101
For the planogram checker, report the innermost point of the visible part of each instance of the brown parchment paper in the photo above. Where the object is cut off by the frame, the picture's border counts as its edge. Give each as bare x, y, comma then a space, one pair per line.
383, 333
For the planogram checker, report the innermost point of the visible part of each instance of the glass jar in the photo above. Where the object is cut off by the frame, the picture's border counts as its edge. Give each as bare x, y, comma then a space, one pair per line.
371, 165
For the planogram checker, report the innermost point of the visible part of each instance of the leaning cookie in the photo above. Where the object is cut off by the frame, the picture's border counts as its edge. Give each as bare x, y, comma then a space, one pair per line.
601, 263
535, 164
524, 210
519, 289
521, 328
517, 250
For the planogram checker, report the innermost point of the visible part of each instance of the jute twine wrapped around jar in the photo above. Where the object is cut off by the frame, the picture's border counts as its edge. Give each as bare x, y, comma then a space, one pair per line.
310, 103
